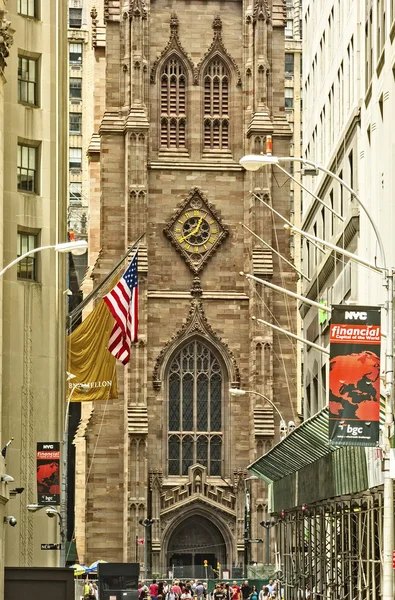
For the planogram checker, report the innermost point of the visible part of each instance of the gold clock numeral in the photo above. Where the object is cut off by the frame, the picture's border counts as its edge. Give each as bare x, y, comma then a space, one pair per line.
179, 221
180, 239
214, 231
205, 247
204, 215
196, 213
196, 249
212, 240
178, 229
187, 215
187, 246
211, 222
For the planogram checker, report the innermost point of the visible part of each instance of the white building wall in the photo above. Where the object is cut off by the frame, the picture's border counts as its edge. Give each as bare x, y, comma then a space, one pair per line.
347, 127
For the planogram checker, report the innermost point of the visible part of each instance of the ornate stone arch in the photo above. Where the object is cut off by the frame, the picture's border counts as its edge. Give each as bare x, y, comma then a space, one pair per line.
196, 325
173, 48
217, 49
226, 526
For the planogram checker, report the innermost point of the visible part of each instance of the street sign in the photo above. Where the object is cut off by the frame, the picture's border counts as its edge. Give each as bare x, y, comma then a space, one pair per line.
51, 546
258, 540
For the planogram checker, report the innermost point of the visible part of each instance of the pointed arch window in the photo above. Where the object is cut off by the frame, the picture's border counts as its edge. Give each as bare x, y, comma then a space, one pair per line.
173, 105
216, 106
195, 395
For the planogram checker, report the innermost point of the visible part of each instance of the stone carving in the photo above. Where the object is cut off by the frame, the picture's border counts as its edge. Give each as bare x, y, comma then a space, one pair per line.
6, 39
94, 26
217, 47
198, 489
196, 322
156, 478
174, 46
261, 11
137, 9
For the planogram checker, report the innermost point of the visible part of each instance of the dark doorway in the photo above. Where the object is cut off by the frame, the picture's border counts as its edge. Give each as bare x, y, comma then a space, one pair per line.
195, 540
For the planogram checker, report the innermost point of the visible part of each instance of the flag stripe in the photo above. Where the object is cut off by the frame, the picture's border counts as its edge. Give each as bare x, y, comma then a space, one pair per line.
122, 302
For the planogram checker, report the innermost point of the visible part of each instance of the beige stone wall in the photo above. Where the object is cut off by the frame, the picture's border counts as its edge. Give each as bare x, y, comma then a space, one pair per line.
140, 189
33, 313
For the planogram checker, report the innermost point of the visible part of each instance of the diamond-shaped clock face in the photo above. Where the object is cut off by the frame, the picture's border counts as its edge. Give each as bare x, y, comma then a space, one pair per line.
196, 230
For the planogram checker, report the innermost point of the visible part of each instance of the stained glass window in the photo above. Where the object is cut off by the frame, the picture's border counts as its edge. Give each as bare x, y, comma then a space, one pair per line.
215, 455
216, 106
187, 453
195, 385
173, 105
174, 455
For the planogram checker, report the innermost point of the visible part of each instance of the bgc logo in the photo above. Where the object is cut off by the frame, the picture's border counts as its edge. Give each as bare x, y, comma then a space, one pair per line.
354, 431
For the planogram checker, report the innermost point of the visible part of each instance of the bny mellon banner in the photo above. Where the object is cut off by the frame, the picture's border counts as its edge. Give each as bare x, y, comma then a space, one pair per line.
354, 375
88, 358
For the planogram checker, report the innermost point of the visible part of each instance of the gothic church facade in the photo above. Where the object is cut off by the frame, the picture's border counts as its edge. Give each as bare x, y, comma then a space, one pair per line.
184, 89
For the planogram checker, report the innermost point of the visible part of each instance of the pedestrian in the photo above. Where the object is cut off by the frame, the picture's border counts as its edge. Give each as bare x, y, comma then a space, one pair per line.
254, 593
235, 591
95, 591
186, 594
161, 586
92, 595
219, 593
176, 589
86, 589
153, 590
200, 591
142, 590
271, 586
245, 590
264, 593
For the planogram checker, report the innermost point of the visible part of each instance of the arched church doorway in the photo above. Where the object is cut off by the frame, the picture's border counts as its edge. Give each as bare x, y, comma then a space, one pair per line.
195, 540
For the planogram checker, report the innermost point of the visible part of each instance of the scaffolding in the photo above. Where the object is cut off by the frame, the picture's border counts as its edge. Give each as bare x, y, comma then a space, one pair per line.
332, 551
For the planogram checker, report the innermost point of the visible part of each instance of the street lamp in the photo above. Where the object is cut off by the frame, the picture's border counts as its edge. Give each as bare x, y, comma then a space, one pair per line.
283, 425
146, 523
254, 162
62, 248
268, 524
51, 511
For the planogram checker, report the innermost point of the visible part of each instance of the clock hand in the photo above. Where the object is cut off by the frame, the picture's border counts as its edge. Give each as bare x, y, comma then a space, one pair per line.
193, 232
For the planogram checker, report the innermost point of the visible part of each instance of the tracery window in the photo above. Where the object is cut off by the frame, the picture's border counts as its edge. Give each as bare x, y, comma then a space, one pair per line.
216, 106
195, 384
173, 105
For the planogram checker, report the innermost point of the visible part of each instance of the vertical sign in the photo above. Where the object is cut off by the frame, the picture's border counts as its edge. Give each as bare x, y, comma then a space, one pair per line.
354, 375
48, 481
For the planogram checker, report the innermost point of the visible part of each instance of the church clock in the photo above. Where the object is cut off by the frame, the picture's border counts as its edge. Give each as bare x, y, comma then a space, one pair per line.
196, 230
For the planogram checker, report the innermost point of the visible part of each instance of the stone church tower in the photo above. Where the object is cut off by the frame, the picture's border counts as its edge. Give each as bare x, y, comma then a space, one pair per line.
188, 88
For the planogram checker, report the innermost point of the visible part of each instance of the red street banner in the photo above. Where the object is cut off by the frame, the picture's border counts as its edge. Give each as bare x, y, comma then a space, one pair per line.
48, 482
354, 375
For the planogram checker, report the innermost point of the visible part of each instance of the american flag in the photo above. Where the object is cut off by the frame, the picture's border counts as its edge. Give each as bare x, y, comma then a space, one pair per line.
123, 304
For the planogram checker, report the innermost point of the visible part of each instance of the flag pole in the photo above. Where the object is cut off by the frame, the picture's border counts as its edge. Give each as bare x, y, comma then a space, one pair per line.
97, 289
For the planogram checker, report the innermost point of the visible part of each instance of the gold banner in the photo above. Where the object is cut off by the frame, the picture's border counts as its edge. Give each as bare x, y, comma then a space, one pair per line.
89, 359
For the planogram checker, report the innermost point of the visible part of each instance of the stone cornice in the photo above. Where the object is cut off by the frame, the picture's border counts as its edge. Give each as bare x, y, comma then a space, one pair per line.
194, 166
208, 295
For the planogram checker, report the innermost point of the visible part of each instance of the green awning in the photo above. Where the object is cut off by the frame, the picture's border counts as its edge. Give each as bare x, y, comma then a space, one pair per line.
306, 444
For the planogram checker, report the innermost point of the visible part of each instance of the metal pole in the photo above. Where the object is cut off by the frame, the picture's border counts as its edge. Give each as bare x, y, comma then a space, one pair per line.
388, 494
268, 545
63, 491
247, 532
145, 552
63, 498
